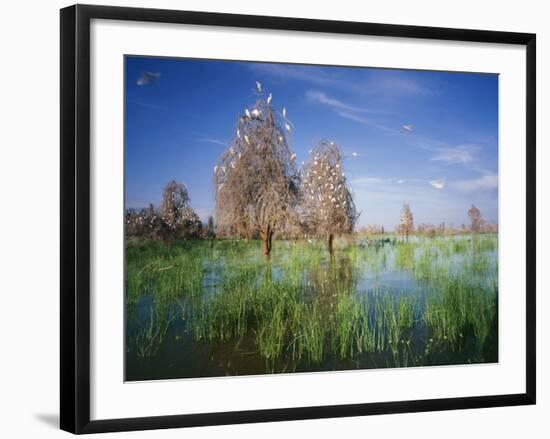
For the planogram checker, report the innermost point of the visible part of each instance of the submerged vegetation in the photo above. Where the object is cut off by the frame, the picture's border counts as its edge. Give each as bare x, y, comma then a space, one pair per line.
216, 307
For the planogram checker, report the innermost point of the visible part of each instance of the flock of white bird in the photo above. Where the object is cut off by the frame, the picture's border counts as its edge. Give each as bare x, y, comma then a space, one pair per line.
256, 113
325, 184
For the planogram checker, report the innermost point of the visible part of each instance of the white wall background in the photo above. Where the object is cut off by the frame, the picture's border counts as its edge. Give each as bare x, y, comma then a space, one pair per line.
29, 252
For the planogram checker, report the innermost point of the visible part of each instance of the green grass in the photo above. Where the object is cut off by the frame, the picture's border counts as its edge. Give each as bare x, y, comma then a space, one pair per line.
302, 307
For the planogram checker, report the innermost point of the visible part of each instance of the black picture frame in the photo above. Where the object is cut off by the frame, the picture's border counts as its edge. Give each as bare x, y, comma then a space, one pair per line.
75, 217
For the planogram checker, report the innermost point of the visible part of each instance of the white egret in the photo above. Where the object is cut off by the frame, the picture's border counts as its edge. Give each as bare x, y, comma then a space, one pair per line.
407, 128
256, 113
247, 113
269, 99
284, 111
287, 126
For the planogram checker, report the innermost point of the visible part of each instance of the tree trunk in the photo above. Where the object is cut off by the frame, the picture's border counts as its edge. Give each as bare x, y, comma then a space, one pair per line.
267, 237
330, 239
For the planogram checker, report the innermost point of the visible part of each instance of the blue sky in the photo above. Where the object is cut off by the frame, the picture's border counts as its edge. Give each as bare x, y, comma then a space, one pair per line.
181, 114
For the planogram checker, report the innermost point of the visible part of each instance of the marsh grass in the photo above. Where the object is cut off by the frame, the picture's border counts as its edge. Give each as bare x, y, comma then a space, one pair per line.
148, 337
302, 307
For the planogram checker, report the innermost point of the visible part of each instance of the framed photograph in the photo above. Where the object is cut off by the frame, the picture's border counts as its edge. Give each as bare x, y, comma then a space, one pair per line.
268, 218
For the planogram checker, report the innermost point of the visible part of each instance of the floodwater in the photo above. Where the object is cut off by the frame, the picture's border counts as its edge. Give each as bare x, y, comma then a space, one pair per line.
161, 331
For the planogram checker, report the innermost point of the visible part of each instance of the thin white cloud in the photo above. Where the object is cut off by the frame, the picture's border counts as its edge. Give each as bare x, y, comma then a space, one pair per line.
438, 184
376, 82
345, 110
365, 121
393, 83
366, 193
285, 71
370, 180
213, 141
418, 182
388, 181
454, 155
487, 182
321, 98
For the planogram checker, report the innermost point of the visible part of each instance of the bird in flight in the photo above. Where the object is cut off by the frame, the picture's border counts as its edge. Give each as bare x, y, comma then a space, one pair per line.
407, 128
147, 78
438, 184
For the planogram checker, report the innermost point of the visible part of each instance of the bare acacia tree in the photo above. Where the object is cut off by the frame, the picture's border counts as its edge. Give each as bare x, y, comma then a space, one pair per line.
476, 219
255, 180
176, 213
406, 225
327, 206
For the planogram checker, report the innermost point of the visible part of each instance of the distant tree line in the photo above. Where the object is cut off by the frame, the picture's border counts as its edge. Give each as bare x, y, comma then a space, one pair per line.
175, 219
406, 225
